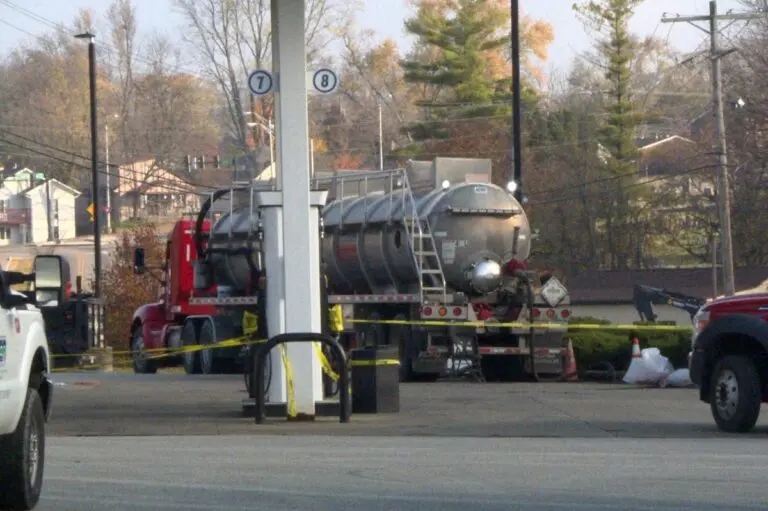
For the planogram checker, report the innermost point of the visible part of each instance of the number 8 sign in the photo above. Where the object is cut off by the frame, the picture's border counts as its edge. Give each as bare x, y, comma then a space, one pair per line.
324, 81
260, 82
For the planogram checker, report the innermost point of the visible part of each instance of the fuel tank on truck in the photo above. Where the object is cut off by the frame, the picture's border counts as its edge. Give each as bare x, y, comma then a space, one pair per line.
234, 243
476, 226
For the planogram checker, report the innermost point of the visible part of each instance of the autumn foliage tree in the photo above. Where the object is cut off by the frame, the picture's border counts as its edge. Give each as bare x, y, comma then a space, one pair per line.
463, 61
124, 291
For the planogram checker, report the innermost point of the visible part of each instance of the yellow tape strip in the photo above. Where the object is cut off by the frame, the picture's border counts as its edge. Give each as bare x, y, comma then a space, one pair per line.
326, 365
358, 363
557, 326
289, 378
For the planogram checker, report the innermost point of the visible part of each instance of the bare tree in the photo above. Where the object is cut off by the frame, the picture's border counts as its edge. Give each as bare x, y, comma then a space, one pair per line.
233, 37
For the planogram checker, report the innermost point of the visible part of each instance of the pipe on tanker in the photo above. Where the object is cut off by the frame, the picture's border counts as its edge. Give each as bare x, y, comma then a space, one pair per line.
204, 212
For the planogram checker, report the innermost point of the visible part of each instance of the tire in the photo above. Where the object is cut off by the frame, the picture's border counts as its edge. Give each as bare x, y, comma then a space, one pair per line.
208, 362
735, 394
190, 359
141, 364
401, 336
23, 461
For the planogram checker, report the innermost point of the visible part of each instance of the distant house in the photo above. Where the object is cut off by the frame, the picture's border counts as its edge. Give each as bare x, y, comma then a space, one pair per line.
34, 209
608, 294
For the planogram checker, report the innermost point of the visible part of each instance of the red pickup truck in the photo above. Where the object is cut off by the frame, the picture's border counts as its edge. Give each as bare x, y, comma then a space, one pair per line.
729, 359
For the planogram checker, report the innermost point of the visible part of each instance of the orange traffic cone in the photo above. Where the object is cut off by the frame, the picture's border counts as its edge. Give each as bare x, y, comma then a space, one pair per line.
570, 372
636, 348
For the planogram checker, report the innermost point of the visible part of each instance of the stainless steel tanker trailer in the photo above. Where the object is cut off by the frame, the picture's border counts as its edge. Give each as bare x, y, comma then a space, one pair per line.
434, 242
438, 242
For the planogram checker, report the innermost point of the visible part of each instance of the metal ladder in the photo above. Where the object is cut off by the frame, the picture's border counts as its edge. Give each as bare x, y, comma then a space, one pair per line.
423, 247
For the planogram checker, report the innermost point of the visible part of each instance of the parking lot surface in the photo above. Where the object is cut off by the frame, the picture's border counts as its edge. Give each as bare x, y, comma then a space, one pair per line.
232, 473
96, 404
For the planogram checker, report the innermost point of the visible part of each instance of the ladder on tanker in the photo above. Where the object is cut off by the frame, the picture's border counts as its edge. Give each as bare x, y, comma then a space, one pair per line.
423, 247
426, 259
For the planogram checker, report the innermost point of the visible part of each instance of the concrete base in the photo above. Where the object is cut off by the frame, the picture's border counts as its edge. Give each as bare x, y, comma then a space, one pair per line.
280, 410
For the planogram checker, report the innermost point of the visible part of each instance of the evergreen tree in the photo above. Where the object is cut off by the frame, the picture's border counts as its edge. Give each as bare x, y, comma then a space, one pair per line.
609, 20
462, 62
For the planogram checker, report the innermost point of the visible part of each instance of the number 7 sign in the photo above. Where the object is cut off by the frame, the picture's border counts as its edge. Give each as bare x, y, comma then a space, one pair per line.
260, 82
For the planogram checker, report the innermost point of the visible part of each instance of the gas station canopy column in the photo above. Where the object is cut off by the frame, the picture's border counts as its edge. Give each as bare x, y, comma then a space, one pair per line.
300, 304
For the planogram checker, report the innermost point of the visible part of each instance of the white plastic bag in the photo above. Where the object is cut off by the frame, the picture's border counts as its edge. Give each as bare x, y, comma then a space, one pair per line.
652, 367
680, 378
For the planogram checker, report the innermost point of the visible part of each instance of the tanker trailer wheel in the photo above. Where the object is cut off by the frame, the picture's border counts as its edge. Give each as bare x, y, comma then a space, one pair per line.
189, 338
401, 336
141, 362
373, 334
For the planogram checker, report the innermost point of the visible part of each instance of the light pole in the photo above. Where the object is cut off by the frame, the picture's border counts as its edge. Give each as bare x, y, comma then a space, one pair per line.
517, 168
94, 162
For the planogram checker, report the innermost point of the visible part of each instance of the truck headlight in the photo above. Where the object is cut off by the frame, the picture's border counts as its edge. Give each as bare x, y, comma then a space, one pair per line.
700, 321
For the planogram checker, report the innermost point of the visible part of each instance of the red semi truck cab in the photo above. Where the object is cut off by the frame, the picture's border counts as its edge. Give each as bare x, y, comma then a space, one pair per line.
153, 322
729, 359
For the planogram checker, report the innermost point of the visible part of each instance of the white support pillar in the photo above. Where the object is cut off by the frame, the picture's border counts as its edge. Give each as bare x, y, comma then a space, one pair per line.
272, 218
300, 225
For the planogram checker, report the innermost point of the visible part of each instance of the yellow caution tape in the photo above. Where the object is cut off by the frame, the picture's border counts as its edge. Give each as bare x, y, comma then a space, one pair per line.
336, 319
250, 323
326, 365
289, 378
359, 363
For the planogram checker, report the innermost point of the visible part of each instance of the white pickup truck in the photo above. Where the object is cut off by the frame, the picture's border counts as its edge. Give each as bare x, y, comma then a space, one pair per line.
26, 390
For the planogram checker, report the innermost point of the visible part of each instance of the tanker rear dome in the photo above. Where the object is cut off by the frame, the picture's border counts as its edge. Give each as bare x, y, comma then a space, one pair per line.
471, 224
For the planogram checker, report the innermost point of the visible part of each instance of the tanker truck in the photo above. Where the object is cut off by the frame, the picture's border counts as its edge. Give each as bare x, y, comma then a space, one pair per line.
416, 256
413, 255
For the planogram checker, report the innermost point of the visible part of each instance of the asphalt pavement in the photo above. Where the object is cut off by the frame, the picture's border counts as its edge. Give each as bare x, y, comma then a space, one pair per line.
96, 404
420, 474
130, 442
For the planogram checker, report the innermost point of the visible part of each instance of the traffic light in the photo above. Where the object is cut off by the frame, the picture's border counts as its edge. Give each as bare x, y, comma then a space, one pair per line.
89, 209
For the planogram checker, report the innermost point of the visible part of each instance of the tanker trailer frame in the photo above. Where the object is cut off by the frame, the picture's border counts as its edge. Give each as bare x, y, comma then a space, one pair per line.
388, 273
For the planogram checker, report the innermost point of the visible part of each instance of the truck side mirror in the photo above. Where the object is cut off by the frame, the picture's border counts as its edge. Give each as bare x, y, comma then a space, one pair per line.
51, 277
139, 266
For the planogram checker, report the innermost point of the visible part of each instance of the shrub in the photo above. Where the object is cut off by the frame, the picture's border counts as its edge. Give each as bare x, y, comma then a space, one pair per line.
122, 290
592, 347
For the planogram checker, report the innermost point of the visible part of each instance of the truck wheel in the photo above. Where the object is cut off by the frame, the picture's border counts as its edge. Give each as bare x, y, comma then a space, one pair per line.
141, 364
191, 359
400, 336
208, 362
735, 395
23, 462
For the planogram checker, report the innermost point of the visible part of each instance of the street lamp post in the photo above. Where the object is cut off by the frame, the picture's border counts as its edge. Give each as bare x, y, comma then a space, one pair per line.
94, 162
517, 170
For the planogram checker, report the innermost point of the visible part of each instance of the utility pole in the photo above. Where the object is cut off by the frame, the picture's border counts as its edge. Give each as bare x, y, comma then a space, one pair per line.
109, 190
94, 162
724, 188
381, 140
517, 145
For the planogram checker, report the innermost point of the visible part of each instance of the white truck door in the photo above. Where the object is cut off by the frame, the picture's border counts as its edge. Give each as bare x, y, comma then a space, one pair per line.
11, 348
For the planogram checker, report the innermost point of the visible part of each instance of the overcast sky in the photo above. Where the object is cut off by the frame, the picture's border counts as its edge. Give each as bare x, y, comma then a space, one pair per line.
20, 18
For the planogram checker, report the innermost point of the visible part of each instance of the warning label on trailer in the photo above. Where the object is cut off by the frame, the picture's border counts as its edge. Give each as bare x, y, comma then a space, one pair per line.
449, 251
